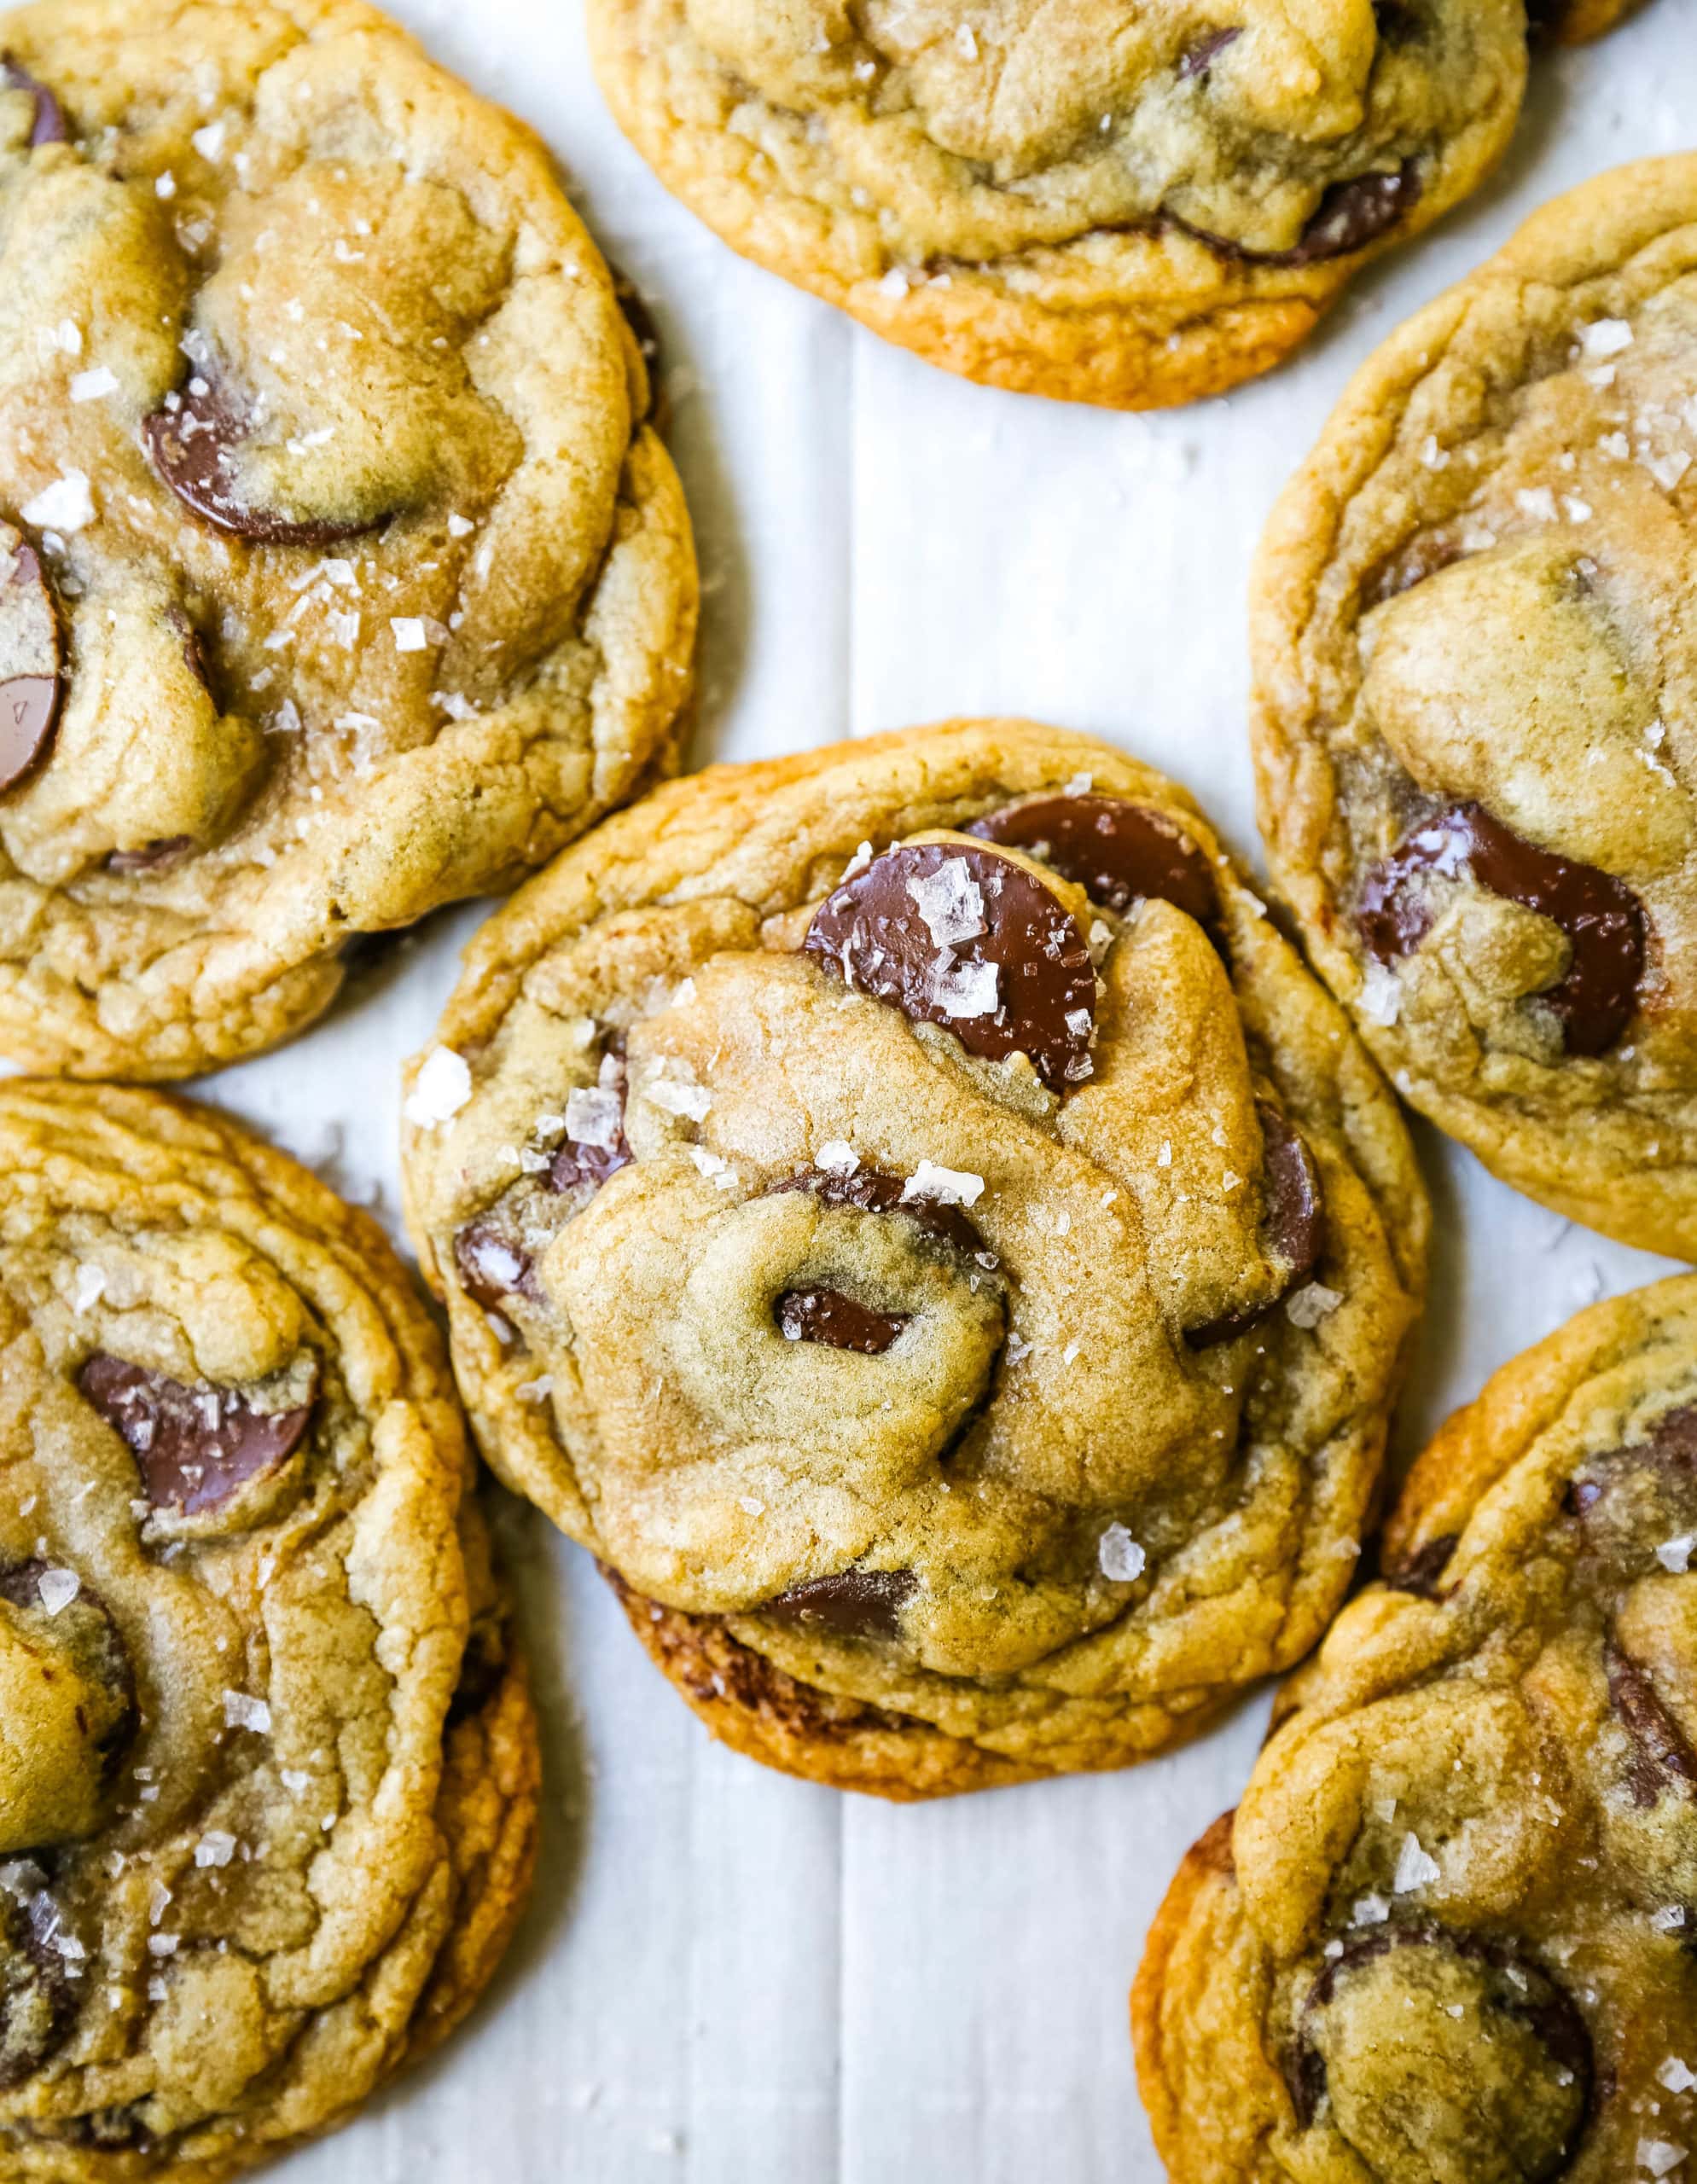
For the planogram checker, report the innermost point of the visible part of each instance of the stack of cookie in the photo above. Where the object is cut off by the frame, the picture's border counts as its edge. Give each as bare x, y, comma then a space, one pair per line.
909, 1209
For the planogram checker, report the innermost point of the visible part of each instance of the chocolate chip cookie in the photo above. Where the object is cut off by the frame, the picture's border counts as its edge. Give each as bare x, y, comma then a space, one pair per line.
268, 1765
1111, 201
907, 1210
1476, 707
339, 575
1451, 1936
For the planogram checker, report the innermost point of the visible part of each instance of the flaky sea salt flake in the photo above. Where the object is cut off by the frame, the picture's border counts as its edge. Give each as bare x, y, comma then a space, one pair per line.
950, 901
57, 1588
441, 1088
1415, 1869
1120, 1557
1307, 1306
942, 1186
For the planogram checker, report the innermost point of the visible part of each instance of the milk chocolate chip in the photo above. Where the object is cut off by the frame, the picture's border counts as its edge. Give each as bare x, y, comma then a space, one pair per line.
49, 125
1603, 921
840, 1321
855, 1603
1292, 1227
1443, 2057
959, 935
1119, 853
193, 449
196, 1447
31, 681
873, 1192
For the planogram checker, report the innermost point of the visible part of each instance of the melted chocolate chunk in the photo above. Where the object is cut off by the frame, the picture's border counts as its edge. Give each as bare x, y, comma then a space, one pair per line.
873, 1192
578, 1163
1118, 853
31, 681
1660, 1758
1350, 215
196, 1447
193, 448
37, 2004
1195, 59
1510, 1983
840, 1322
490, 1269
1630, 1501
855, 1603
1603, 921
1421, 1572
1292, 1227
1023, 983
144, 859
48, 125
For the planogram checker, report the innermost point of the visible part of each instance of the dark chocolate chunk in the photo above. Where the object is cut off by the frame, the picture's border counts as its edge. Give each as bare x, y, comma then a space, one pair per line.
196, 1447
1603, 920
577, 1161
193, 447
1661, 1758
854, 1603
1421, 1572
153, 853
48, 125
31, 679
37, 2004
1195, 59
490, 1269
1632, 1501
1292, 1226
1119, 852
840, 1321
1023, 983
1350, 215
873, 1192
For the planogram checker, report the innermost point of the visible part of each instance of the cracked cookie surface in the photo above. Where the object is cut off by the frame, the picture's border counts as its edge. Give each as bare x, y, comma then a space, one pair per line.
268, 1764
339, 574
910, 1214
1475, 717
1448, 1937
1111, 202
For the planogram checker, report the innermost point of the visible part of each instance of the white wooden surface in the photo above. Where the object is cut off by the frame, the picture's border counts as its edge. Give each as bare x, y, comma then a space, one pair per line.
728, 1978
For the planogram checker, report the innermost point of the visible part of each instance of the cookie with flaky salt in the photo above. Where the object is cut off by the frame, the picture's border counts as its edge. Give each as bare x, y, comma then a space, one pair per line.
341, 575
1475, 717
268, 1764
1114, 201
910, 1215
1447, 1937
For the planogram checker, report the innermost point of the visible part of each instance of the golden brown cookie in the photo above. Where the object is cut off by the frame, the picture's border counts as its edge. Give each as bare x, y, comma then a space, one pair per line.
339, 575
910, 1214
1475, 717
268, 1764
1451, 1936
1110, 201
